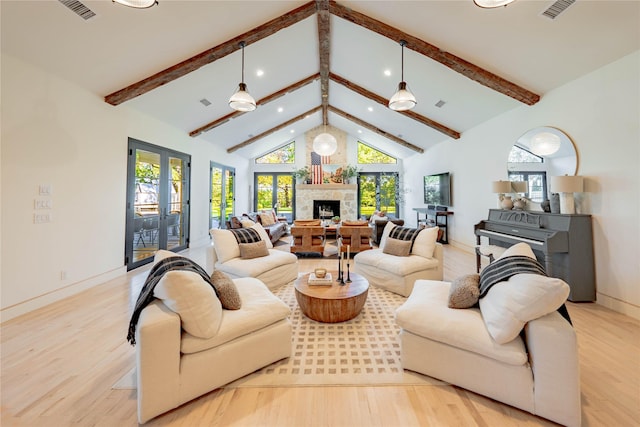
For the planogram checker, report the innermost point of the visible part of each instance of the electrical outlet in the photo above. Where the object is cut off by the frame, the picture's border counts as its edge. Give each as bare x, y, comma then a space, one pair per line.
42, 204
44, 189
41, 218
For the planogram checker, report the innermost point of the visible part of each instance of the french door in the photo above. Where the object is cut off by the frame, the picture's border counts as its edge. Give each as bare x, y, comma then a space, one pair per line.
274, 191
157, 202
222, 199
378, 191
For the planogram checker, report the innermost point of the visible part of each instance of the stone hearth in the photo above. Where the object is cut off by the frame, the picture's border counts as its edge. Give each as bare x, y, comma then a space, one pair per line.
345, 193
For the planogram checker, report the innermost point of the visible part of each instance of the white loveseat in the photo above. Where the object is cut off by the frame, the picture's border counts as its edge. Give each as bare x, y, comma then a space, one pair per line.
398, 273
275, 270
174, 367
515, 348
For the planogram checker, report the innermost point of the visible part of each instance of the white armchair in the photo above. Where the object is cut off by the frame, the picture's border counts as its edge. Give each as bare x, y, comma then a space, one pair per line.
398, 273
275, 269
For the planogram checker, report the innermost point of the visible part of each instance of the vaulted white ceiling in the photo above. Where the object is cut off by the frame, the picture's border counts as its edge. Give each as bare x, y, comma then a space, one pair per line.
121, 46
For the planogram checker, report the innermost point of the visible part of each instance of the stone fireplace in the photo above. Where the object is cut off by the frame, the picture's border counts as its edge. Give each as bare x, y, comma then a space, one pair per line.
344, 194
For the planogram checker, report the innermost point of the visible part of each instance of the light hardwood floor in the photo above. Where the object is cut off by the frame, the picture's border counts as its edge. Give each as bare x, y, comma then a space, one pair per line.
59, 363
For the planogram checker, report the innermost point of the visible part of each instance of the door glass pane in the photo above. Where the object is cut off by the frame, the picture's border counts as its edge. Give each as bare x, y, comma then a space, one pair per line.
146, 205
367, 194
228, 190
175, 209
264, 199
216, 197
388, 193
284, 197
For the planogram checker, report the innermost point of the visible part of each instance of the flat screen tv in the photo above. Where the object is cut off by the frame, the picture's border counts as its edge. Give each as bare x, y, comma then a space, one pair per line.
437, 189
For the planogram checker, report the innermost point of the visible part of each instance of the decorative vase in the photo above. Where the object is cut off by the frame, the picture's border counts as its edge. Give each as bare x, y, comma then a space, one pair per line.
546, 205
506, 203
519, 204
555, 203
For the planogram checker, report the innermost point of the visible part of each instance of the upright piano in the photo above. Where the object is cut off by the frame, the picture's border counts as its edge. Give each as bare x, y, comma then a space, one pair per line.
562, 243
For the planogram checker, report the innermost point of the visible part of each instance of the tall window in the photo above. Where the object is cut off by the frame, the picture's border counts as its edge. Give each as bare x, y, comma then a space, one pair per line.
378, 191
282, 155
368, 155
274, 191
222, 199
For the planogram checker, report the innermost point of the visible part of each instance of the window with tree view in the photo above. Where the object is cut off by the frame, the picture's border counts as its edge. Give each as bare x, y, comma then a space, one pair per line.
368, 155
282, 155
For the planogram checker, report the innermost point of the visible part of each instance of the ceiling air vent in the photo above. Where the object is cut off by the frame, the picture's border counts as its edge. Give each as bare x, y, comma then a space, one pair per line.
557, 8
205, 102
78, 8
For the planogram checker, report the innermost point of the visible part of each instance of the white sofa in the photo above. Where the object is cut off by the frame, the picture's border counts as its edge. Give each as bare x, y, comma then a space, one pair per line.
275, 270
174, 367
398, 273
538, 373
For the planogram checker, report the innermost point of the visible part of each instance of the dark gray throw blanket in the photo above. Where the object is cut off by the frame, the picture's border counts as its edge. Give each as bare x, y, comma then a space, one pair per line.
246, 235
503, 268
404, 233
156, 273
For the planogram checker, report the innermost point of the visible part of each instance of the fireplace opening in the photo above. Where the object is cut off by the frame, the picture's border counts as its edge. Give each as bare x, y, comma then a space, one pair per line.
326, 209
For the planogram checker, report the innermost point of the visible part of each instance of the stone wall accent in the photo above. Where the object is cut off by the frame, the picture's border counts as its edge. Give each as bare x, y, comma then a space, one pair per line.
346, 193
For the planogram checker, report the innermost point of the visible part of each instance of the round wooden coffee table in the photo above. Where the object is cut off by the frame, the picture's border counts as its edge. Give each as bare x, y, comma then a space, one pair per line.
332, 303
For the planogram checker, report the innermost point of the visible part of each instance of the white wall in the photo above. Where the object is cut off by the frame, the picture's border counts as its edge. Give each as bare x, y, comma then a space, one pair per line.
601, 114
55, 133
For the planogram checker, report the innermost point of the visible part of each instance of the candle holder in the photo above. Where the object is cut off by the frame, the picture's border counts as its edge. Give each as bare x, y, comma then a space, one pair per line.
348, 273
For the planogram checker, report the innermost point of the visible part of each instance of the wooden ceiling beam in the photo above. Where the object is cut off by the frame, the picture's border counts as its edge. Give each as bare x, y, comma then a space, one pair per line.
375, 129
273, 130
324, 47
467, 69
263, 101
208, 56
381, 100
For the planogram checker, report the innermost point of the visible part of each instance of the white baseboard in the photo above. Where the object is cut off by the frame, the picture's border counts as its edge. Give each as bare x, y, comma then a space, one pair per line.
35, 303
618, 305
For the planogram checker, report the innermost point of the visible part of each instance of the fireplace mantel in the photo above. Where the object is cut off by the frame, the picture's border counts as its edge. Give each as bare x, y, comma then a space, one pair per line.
326, 187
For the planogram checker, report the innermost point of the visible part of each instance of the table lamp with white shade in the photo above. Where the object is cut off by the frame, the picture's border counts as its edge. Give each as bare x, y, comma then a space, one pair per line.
566, 185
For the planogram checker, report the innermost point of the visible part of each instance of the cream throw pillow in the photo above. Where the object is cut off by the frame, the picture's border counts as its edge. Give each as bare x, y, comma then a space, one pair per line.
510, 304
385, 234
425, 243
267, 219
194, 300
263, 234
225, 244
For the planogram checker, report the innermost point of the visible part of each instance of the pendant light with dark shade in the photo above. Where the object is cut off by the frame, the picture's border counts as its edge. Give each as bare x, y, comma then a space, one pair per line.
242, 100
403, 99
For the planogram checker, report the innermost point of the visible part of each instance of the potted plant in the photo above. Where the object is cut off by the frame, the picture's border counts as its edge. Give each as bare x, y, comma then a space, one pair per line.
349, 172
302, 175
335, 219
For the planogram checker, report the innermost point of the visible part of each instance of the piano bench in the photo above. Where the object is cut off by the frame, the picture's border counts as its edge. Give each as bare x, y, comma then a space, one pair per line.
490, 251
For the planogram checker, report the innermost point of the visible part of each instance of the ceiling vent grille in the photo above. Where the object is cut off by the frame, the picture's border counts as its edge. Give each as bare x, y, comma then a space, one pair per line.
205, 102
78, 8
557, 8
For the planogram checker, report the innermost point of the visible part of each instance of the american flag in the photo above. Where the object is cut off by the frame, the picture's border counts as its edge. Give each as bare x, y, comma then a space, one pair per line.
316, 167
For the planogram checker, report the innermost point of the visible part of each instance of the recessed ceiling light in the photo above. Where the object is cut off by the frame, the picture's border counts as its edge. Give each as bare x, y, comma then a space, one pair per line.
387, 73
259, 73
280, 109
292, 131
359, 130
370, 108
307, 116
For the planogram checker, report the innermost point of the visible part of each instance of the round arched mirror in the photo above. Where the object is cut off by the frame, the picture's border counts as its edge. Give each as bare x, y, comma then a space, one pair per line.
538, 155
